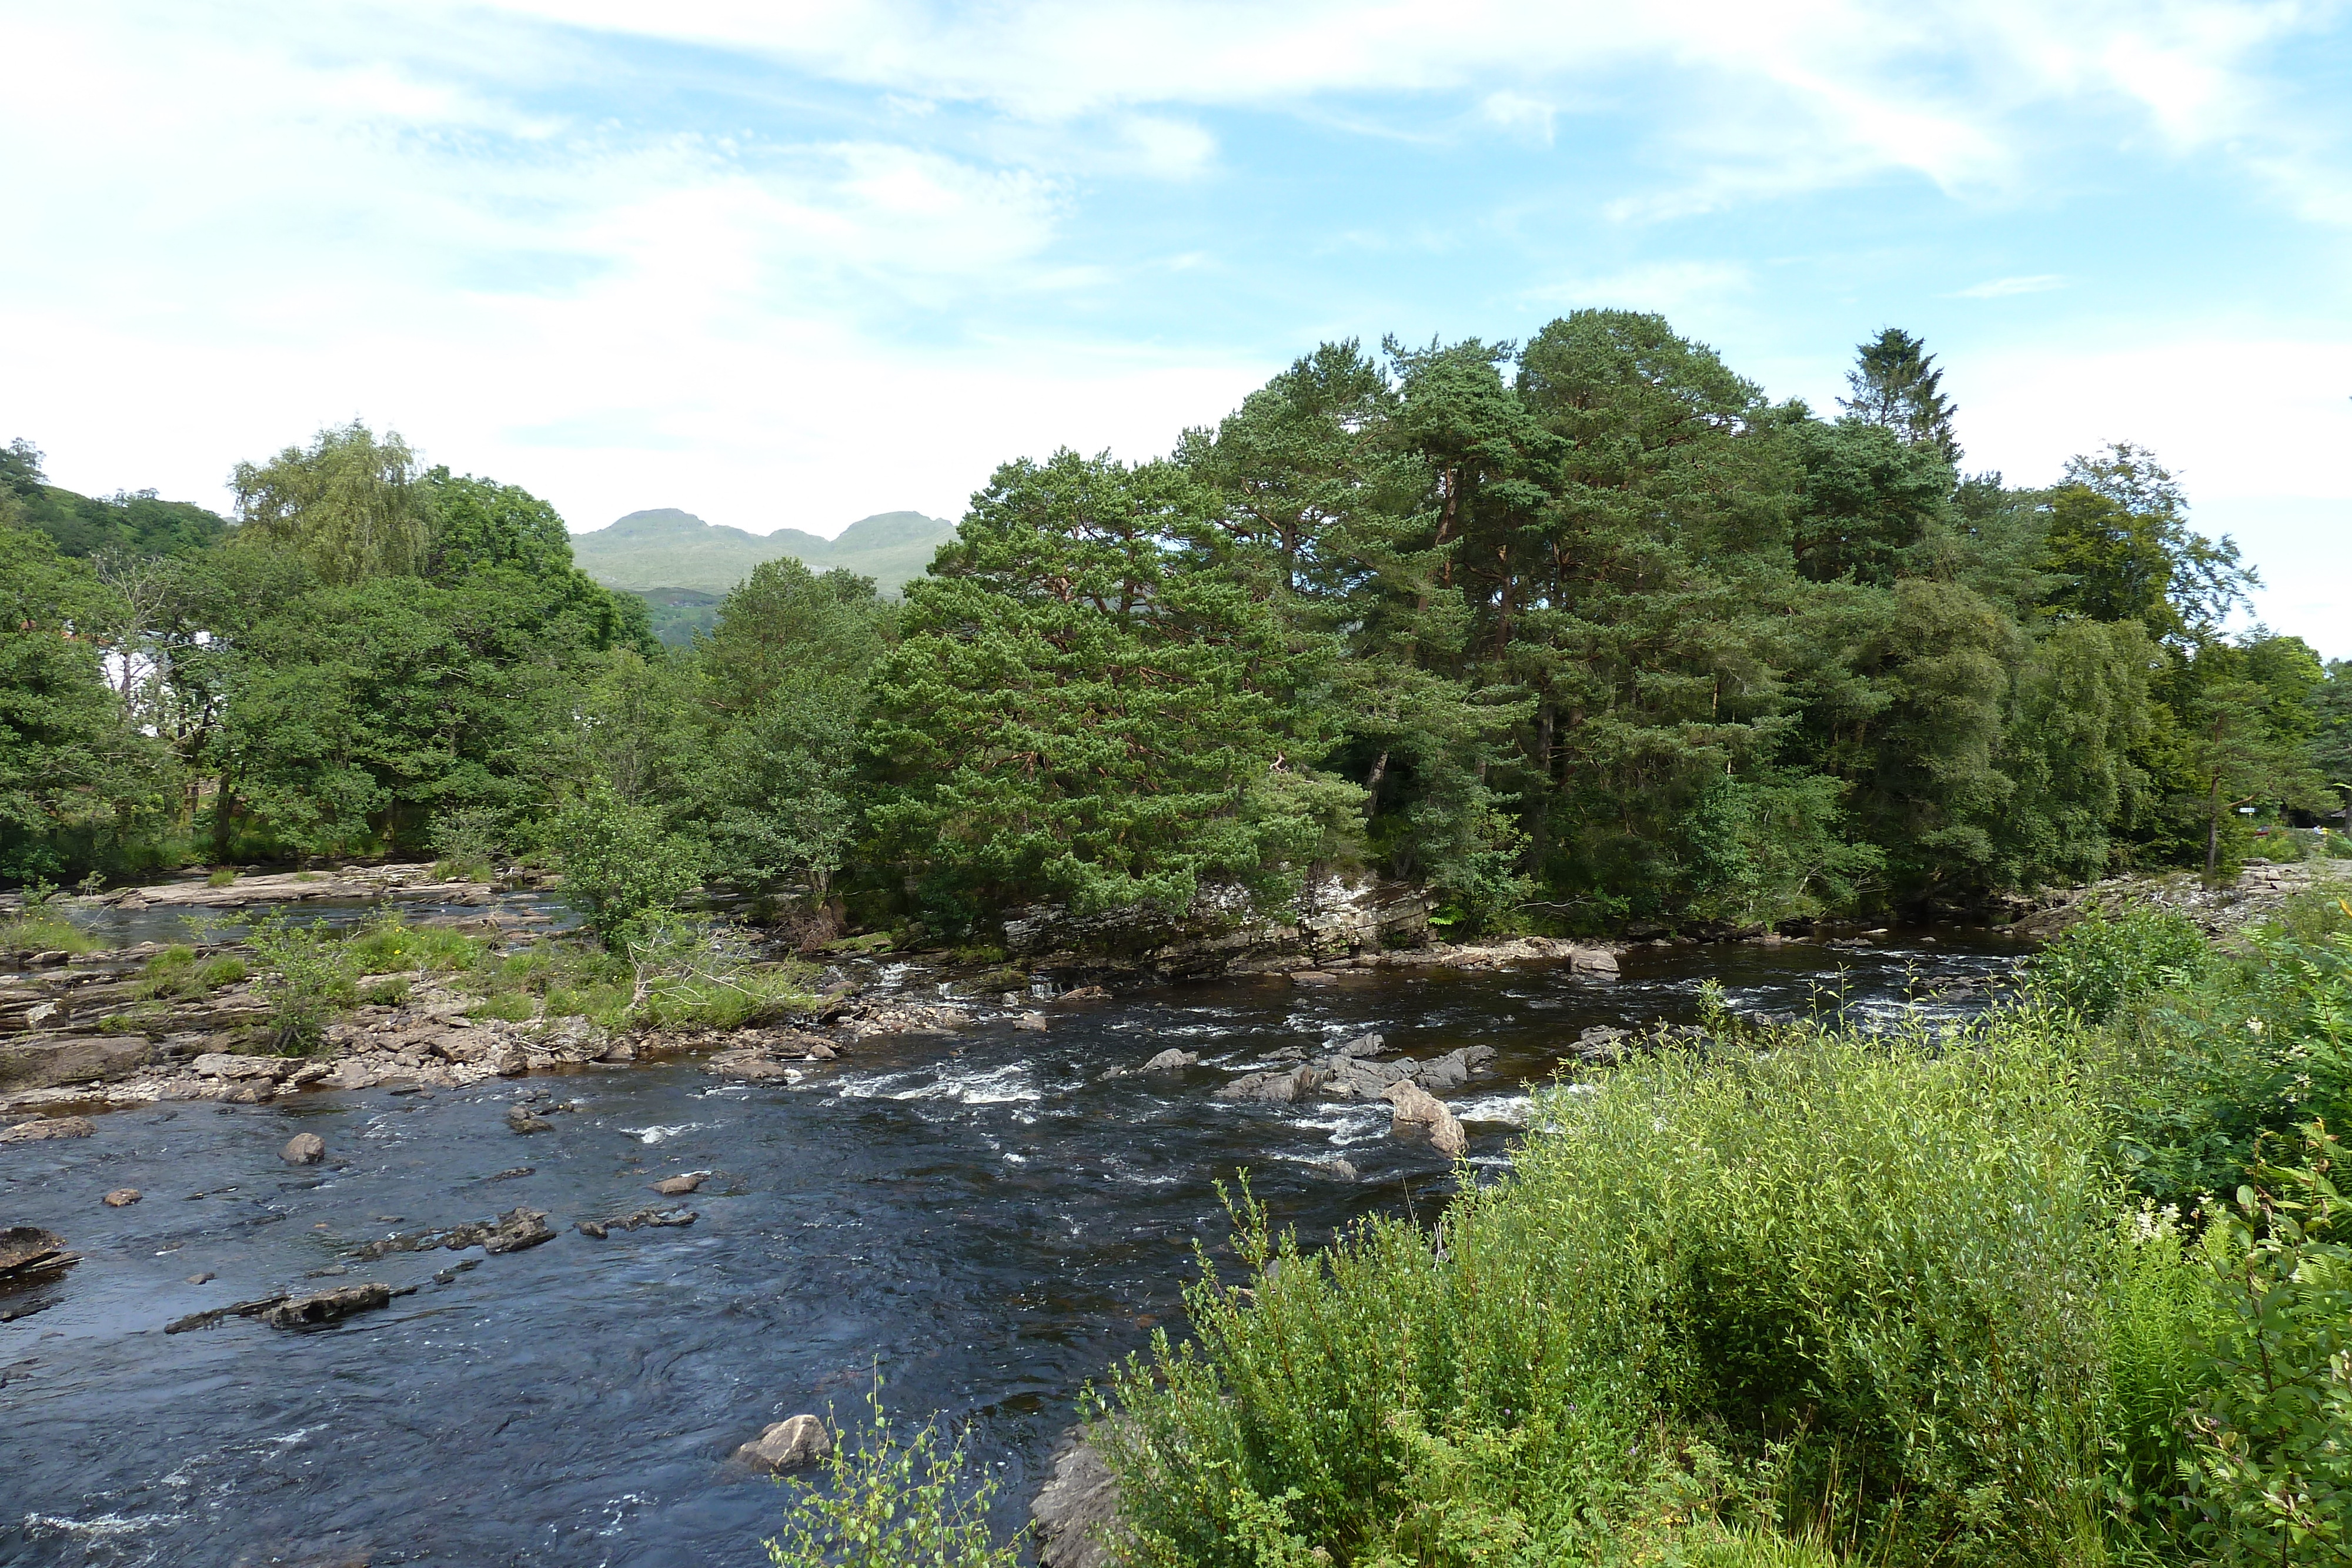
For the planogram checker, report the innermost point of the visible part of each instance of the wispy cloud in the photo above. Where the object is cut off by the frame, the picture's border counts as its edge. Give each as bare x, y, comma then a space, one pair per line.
2004, 287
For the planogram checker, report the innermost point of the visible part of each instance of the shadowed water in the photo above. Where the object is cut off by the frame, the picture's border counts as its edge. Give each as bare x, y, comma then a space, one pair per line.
982, 1221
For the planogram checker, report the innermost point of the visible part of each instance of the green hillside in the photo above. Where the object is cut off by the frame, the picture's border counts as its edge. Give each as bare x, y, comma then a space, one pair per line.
667, 549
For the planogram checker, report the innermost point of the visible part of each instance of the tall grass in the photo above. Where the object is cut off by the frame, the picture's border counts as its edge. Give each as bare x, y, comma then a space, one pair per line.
1822, 1293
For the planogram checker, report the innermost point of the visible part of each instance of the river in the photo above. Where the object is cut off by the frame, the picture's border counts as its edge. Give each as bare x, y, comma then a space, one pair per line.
984, 1223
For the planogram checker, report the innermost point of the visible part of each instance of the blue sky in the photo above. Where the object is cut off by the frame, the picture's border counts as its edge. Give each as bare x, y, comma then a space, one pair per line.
789, 264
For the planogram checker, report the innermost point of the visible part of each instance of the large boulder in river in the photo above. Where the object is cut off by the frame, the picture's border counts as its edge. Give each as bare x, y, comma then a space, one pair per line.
1418, 1116
789, 1444
1076, 1508
1283, 1088
303, 1149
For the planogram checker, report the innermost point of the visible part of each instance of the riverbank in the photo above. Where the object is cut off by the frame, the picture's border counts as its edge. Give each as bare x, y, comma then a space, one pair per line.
83, 1031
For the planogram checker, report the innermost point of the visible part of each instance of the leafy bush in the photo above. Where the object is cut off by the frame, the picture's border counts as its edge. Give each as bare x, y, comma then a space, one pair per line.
2254, 1041
699, 974
40, 927
1883, 1276
2272, 1475
306, 979
222, 876
470, 843
889, 1504
620, 867
2104, 960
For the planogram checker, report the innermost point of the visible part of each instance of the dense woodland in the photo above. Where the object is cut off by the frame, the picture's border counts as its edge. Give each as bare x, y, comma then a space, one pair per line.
1583, 633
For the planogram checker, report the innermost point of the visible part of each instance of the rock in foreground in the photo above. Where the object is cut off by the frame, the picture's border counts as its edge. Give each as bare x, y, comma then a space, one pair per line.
303, 1149
1075, 1507
789, 1444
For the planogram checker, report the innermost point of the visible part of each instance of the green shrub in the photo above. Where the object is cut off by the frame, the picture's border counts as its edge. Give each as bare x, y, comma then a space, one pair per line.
40, 927
697, 975
620, 868
513, 1007
306, 979
2271, 1473
1881, 1275
470, 843
2104, 960
386, 993
221, 877
2254, 1041
884, 1504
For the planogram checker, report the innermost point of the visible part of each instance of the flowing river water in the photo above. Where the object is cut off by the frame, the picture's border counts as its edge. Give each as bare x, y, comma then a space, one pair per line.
983, 1222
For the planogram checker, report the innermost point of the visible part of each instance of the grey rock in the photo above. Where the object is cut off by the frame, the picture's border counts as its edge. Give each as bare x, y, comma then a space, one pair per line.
1363, 1045
1171, 1060
521, 1119
122, 1197
1075, 1509
1035, 1021
45, 1062
303, 1149
788, 1444
301, 1312
1418, 1116
47, 1127
679, 1186
1276, 1088
223, 1064
27, 1251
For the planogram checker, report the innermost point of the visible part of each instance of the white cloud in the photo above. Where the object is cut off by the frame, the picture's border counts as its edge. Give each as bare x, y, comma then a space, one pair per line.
2005, 287
1805, 90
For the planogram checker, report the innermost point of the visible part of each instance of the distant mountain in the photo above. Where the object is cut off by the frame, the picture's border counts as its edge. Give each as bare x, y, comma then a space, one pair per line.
668, 549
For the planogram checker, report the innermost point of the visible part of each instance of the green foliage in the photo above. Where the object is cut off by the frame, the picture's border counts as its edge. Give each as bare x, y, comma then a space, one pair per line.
471, 841
388, 943
1094, 701
888, 1502
39, 930
621, 869
2104, 960
783, 677
692, 974
1895, 385
2251, 1044
182, 973
305, 977
2272, 1474
1878, 1275
133, 523
71, 765
350, 505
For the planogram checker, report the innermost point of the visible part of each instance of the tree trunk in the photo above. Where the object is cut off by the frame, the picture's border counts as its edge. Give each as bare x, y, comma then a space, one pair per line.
1372, 783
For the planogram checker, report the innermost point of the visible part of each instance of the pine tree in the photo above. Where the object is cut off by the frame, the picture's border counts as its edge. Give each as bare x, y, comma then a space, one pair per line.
1896, 383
